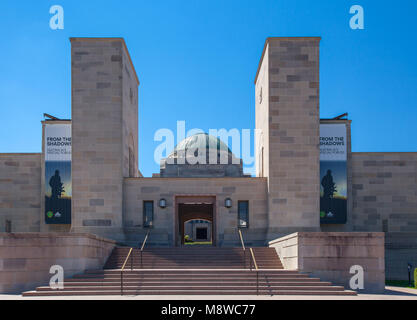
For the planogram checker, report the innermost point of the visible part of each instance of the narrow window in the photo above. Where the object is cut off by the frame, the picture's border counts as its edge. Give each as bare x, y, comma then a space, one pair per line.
243, 214
262, 162
147, 214
8, 226
131, 163
385, 225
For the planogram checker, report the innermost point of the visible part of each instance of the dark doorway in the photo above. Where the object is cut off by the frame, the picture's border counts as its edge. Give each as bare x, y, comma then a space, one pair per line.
201, 233
189, 210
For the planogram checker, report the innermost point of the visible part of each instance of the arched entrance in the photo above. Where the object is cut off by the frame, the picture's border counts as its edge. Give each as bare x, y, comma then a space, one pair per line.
194, 208
198, 232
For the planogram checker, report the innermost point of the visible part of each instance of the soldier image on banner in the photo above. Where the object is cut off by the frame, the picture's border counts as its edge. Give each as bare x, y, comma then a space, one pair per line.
333, 174
58, 186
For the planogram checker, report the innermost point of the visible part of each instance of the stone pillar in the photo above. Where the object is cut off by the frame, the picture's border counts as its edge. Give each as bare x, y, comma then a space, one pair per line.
104, 133
287, 150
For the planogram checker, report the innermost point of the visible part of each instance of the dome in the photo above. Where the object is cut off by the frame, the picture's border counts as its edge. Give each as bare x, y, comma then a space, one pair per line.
201, 155
200, 143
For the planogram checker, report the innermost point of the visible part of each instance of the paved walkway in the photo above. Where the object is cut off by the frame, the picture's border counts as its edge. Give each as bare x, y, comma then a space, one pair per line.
391, 293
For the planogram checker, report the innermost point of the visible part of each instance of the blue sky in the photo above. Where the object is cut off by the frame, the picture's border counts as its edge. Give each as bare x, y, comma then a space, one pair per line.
203, 55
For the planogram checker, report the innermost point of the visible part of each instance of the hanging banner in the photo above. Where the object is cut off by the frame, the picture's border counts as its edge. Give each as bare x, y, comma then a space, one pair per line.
58, 185
333, 174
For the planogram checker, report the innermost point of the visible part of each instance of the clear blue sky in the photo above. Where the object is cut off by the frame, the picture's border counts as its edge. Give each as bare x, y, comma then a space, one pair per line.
203, 55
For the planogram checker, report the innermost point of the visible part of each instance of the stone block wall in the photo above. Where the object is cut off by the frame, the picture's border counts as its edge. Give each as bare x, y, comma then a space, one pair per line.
384, 187
262, 116
103, 126
330, 255
26, 258
384, 193
20, 191
138, 190
292, 164
400, 250
130, 98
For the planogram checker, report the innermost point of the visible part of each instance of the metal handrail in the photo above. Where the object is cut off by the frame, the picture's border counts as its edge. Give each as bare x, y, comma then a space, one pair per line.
143, 246
243, 247
257, 270
123, 267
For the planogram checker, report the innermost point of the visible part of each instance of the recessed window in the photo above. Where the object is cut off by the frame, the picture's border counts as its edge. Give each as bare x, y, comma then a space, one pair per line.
243, 214
131, 163
8, 226
147, 214
385, 225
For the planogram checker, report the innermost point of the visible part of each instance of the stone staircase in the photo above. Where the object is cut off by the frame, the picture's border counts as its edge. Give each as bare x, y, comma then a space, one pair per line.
192, 271
194, 258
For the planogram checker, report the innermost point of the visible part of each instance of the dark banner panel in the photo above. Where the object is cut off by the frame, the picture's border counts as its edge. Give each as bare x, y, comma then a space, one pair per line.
58, 186
333, 174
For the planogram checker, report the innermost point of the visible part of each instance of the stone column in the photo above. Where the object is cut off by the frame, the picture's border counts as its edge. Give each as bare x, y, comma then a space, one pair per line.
101, 133
287, 112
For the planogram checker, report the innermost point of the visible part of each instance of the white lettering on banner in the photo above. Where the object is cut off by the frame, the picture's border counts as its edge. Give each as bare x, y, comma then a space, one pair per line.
333, 142
58, 142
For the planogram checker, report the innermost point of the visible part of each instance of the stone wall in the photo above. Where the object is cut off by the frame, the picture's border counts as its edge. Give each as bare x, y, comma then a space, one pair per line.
400, 250
26, 258
130, 98
384, 191
139, 189
101, 133
329, 256
292, 164
262, 116
20, 191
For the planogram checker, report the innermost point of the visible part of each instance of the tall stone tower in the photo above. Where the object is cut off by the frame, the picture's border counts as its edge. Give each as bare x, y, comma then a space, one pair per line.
287, 148
104, 133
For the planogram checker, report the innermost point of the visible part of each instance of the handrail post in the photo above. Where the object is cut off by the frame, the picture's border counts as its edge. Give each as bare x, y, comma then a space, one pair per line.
257, 282
243, 247
143, 246
256, 269
121, 271
121, 282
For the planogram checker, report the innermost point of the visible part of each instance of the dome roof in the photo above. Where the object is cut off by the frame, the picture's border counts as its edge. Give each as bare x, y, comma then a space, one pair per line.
201, 156
200, 142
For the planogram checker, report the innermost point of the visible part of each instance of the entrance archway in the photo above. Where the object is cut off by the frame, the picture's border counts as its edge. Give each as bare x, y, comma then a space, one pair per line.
194, 208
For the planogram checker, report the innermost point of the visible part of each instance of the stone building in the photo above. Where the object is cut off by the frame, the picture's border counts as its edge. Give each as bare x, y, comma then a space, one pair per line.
110, 198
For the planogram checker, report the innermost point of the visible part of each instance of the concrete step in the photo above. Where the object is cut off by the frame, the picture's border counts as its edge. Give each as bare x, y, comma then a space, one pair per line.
197, 287
188, 292
185, 277
192, 271
204, 282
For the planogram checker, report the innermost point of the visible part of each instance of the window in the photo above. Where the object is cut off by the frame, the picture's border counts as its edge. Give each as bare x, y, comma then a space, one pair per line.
385, 225
243, 214
8, 226
131, 163
147, 214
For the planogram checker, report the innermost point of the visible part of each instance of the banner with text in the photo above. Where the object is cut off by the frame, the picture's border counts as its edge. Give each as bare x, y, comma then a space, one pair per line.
333, 174
58, 185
